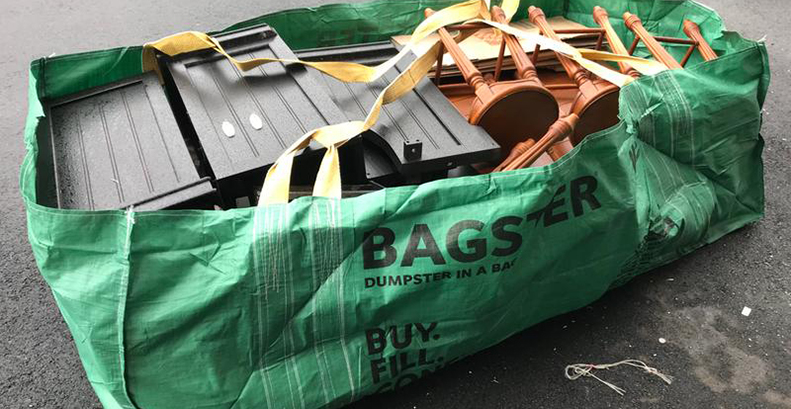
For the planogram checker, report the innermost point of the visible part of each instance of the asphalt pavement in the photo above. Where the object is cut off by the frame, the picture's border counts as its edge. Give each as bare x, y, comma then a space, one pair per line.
718, 357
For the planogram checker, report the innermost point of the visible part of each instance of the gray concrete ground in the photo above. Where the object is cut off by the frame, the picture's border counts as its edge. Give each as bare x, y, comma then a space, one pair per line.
719, 358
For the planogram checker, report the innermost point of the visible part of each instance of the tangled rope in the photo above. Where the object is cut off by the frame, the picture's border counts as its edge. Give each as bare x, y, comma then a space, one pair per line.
576, 371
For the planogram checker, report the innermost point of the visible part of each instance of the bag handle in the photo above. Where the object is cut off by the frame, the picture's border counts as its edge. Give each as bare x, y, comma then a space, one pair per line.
328, 181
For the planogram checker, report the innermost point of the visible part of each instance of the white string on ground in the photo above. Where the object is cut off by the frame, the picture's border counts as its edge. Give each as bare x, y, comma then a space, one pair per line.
576, 371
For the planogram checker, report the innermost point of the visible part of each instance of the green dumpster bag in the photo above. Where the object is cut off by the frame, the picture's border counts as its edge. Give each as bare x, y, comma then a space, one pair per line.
320, 302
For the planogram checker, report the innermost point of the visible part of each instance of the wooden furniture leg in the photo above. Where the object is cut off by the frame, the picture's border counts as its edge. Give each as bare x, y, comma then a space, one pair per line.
509, 110
596, 104
693, 32
636, 25
602, 18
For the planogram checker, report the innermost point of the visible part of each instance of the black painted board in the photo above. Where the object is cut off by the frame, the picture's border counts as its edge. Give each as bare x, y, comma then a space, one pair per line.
421, 133
245, 120
118, 146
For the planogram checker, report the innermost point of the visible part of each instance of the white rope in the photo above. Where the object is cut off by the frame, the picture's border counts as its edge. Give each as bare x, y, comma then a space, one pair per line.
576, 371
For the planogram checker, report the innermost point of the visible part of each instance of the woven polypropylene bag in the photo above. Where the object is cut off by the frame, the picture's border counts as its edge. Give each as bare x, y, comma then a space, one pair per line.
321, 301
